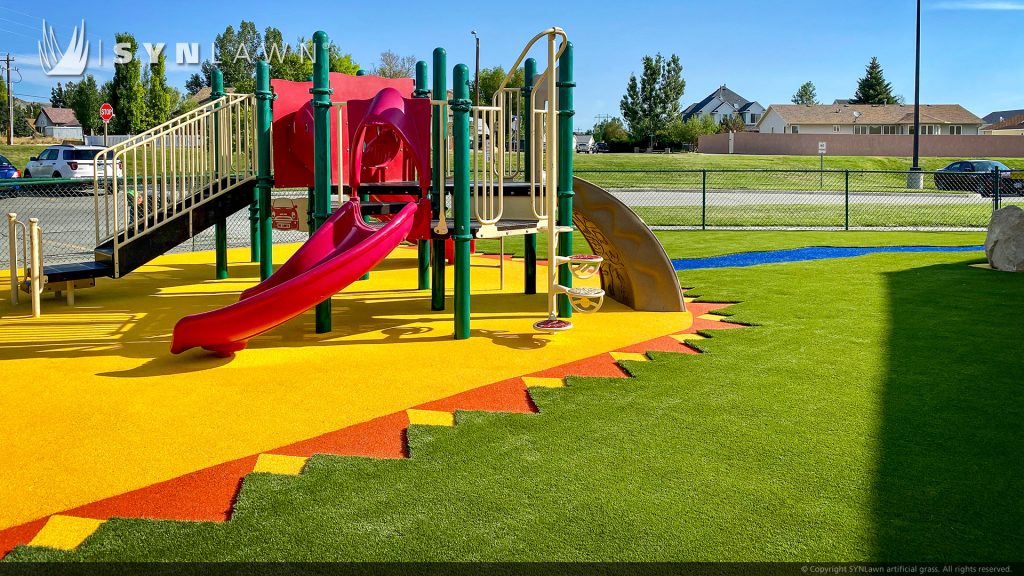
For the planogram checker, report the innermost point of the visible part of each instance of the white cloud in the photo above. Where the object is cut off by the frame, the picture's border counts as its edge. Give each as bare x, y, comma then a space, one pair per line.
980, 5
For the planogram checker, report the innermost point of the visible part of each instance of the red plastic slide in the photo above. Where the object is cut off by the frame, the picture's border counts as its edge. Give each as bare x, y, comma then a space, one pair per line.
340, 252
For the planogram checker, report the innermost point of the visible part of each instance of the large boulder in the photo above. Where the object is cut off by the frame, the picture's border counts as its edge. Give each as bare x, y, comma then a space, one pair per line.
1004, 245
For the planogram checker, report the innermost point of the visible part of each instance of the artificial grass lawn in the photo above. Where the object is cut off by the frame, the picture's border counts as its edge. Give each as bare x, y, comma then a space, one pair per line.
788, 215
743, 162
874, 413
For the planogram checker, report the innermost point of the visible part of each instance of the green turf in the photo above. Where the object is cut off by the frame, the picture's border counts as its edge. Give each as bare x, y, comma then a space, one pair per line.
874, 413
796, 215
743, 161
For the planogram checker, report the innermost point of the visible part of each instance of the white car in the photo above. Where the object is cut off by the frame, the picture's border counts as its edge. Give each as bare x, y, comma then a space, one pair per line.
68, 161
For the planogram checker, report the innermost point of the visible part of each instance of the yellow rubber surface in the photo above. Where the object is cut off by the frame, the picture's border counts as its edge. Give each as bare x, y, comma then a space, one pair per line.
431, 418
94, 405
712, 317
65, 532
688, 337
533, 382
631, 356
280, 464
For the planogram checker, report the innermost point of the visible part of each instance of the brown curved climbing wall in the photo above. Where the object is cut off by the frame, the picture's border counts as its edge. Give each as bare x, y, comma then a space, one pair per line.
636, 272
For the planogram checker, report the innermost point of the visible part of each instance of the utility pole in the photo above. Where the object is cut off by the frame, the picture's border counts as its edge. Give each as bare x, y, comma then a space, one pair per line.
10, 101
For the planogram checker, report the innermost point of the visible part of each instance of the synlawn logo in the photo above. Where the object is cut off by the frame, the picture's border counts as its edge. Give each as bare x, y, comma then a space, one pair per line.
57, 62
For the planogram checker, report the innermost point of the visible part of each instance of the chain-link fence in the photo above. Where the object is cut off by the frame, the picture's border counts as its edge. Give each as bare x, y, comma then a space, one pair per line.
66, 210
665, 199
810, 199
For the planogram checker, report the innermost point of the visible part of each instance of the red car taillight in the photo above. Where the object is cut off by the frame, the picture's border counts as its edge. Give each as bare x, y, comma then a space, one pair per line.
16, 174
73, 165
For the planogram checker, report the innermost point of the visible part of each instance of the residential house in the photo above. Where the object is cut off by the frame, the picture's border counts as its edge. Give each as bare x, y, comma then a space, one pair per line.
1001, 116
1012, 126
582, 138
867, 119
59, 123
723, 103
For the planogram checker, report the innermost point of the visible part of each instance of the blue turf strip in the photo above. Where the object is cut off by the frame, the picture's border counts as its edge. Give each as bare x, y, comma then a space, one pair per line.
744, 259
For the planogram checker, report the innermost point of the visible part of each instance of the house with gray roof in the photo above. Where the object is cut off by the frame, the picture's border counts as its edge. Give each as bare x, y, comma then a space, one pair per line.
1001, 116
723, 103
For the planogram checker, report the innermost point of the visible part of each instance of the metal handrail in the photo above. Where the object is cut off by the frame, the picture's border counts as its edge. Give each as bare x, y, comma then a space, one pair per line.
173, 168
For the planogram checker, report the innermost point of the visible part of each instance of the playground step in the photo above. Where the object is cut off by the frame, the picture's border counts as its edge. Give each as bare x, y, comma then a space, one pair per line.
584, 300
77, 271
582, 266
502, 228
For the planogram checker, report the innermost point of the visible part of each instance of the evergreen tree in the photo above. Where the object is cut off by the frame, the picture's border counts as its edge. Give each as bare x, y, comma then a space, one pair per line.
58, 96
807, 94
650, 104
127, 94
873, 88
3, 108
158, 95
194, 84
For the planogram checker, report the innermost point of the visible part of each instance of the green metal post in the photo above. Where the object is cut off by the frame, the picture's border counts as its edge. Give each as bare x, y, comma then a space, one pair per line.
565, 152
220, 228
264, 181
423, 246
530, 251
439, 141
461, 106
321, 153
846, 226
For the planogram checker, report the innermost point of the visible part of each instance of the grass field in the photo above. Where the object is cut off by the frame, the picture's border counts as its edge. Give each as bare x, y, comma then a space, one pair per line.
873, 412
747, 162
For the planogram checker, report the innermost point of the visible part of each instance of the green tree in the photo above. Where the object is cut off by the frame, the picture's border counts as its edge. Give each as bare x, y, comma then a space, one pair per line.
490, 80
650, 104
127, 94
3, 108
806, 95
59, 96
392, 65
194, 84
611, 131
690, 131
873, 88
159, 96
732, 123
85, 99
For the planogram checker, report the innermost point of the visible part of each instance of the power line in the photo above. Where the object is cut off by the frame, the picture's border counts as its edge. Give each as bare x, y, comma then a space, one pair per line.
17, 33
16, 23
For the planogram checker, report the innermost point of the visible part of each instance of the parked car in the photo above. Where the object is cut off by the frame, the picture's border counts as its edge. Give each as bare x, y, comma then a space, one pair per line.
601, 147
583, 148
67, 161
7, 169
978, 176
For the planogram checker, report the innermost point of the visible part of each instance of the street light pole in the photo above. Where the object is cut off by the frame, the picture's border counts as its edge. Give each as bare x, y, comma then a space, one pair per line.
917, 95
476, 99
915, 179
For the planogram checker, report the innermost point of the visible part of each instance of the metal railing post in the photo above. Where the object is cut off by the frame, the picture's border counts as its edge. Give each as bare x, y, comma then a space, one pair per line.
12, 239
36, 255
321, 153
846, 202
422, 246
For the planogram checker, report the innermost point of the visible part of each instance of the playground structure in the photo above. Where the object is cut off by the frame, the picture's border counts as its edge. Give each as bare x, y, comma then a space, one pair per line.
396, 144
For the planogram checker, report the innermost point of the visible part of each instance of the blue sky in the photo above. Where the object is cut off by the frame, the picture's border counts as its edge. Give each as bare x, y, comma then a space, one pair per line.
763, 50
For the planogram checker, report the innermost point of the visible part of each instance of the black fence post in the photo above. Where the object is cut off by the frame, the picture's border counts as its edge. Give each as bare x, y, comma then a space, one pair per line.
846, 226
995, 189
704, 199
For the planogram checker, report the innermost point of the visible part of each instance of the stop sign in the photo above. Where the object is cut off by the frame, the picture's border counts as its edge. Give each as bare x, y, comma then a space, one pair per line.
106, 112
